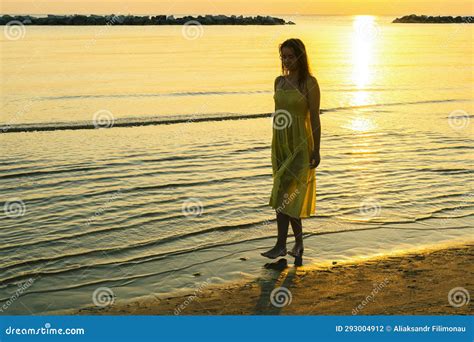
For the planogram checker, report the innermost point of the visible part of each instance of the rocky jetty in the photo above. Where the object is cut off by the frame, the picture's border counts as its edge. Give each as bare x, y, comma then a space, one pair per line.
413, 18
113, 19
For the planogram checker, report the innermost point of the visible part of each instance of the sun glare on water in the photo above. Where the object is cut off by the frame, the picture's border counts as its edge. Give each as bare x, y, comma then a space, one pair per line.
364, 37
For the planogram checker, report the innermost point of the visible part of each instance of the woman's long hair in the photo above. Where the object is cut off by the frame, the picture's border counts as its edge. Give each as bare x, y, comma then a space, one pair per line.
301, 59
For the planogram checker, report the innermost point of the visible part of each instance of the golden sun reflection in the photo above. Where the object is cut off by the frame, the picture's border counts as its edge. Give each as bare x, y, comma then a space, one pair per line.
364, 36
365, 33
361, 124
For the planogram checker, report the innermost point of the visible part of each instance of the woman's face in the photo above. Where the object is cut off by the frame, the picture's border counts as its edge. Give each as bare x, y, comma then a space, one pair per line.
288, 58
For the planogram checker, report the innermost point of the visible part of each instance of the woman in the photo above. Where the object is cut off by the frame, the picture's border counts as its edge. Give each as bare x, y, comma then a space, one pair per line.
295, 147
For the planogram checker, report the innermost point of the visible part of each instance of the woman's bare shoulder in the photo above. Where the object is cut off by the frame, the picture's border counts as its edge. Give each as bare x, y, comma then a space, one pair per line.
312, 83
277, 81
278, 78
312, 79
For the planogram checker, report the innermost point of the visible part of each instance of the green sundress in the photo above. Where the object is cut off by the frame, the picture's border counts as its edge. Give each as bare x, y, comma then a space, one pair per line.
294, 182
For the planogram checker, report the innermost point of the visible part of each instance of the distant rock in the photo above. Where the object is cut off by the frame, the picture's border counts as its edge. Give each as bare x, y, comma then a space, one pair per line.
113, 19
413, 18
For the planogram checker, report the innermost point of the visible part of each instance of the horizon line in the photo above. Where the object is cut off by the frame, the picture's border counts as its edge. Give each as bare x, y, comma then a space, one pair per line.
248, 14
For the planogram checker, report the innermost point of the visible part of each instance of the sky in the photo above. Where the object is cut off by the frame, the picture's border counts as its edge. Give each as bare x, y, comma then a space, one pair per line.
237, 7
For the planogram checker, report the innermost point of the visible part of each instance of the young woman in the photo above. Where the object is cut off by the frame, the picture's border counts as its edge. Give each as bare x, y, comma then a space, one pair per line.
295, 147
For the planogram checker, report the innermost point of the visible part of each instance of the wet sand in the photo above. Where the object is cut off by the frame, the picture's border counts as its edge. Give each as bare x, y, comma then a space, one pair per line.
412, 283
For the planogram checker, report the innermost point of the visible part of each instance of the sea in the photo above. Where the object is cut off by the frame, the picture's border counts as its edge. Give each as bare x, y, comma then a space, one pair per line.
135, 160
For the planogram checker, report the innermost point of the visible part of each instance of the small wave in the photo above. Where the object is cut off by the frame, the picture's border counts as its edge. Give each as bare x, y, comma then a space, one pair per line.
47, 172
175, 94
176, 119
127, 122
447, 171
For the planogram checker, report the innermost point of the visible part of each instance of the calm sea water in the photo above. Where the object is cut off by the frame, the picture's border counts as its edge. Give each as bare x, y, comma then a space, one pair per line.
152, 209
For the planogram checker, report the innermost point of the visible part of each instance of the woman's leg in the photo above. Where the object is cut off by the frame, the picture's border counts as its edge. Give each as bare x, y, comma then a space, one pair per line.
297, 227
283, 222
297, 250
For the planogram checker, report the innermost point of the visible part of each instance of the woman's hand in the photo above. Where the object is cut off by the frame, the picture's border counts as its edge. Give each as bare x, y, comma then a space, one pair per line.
314, 159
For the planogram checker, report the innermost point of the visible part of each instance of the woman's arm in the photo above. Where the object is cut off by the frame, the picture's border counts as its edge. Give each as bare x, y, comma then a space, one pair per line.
314, 100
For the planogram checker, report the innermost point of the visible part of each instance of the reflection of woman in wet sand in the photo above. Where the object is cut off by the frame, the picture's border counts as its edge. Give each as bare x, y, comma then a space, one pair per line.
295, 147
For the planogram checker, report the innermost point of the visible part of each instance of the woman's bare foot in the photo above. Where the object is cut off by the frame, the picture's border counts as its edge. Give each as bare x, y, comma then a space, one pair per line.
297, 253
275, 252
297, 250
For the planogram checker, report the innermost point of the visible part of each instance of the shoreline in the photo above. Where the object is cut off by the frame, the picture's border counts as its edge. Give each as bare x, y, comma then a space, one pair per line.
406, 283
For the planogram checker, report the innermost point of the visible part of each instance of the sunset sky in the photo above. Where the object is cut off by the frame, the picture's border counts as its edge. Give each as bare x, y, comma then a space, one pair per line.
248, 7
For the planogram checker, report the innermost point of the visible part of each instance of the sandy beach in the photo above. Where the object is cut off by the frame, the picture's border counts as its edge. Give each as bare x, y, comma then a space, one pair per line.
409, 283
